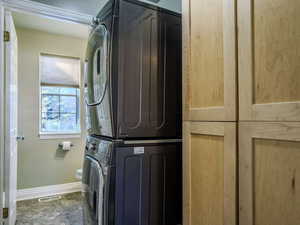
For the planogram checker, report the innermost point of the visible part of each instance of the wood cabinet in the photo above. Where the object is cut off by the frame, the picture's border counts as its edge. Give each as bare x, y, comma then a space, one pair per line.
209, 59
209, 183
269, 55
269, 164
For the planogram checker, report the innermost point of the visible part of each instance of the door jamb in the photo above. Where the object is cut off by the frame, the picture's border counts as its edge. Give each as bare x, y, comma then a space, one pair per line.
2, 110
38, 9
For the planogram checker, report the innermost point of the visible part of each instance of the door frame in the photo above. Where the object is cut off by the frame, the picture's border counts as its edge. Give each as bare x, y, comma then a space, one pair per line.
2, 110
11, 117
33, 8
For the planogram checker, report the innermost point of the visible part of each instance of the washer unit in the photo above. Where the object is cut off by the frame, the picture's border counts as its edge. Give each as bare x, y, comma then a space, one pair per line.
132, 183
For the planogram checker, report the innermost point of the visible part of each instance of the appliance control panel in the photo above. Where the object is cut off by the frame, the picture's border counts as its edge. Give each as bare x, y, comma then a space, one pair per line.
99, 149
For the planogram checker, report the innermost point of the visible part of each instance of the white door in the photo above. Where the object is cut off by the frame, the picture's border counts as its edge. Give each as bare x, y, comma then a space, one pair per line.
11, 101
1, 110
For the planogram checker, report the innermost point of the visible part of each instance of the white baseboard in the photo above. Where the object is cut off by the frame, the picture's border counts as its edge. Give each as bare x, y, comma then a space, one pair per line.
39, 192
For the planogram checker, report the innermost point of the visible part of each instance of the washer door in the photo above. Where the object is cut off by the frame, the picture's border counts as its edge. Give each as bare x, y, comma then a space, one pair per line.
96, 66
93, 179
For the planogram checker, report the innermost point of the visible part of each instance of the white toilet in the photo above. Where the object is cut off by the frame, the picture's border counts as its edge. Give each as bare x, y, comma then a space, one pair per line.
78, 174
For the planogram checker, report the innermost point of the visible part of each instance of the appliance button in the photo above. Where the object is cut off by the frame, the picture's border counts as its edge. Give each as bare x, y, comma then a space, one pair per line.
93, 147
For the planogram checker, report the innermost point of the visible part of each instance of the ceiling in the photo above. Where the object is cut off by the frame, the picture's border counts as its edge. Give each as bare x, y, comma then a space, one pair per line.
91, 7
53, 26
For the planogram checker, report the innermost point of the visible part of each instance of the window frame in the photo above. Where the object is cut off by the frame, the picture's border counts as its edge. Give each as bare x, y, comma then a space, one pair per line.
60, 135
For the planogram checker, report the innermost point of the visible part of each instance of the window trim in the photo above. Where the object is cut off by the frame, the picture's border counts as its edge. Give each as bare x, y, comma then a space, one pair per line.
46, 136
60, 135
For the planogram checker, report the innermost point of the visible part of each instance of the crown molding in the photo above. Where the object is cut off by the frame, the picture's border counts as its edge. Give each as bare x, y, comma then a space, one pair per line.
42, 9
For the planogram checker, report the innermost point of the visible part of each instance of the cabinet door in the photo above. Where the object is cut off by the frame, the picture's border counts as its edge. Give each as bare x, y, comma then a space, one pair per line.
209, 178
209, 60
269, 55
269, 173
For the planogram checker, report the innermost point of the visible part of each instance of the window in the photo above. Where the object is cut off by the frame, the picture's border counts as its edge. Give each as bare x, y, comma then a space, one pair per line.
60, 95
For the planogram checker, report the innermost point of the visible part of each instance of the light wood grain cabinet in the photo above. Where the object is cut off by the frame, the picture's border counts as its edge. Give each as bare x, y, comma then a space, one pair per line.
209, 59
269, 164
269, 56
209, 162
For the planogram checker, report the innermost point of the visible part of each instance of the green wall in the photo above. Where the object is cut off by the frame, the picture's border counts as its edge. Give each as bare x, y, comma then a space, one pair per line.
40, 163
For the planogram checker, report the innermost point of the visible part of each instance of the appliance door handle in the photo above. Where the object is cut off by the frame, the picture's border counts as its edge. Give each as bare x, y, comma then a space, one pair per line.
85, 77
98, 65
86, 84
85, 66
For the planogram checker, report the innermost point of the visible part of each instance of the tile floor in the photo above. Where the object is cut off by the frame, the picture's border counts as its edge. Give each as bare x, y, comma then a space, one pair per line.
65, 211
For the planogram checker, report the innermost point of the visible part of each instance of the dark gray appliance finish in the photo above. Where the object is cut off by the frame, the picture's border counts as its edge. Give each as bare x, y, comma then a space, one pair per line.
130, 184
134, 72
148, 186
155, 1
96, 183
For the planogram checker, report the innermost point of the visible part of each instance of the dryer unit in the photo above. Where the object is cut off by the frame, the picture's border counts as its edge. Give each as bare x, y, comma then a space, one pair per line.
133, 72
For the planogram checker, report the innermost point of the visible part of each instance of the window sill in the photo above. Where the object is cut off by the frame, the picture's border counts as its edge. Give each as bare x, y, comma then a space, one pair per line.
45, 136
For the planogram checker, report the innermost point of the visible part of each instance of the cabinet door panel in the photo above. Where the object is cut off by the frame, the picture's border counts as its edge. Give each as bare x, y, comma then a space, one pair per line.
269, 178
209, 173
269, 57
207, 185
209, 60
207, 56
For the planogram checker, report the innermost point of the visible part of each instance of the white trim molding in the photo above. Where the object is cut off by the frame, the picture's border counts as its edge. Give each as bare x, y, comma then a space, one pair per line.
1, 111
59, 136
29, 6
39, 192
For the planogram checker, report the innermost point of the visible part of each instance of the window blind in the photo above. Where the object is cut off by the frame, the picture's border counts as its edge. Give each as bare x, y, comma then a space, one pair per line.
59, 71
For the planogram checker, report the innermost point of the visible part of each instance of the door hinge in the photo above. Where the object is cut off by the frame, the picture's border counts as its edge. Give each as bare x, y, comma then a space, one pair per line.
6, 36
5, 213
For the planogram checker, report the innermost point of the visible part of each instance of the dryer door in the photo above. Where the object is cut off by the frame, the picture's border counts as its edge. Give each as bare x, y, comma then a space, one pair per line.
93, 179
96, 71
97, 96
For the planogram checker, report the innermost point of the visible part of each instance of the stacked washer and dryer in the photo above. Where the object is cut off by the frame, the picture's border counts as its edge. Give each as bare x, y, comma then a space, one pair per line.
132, 168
